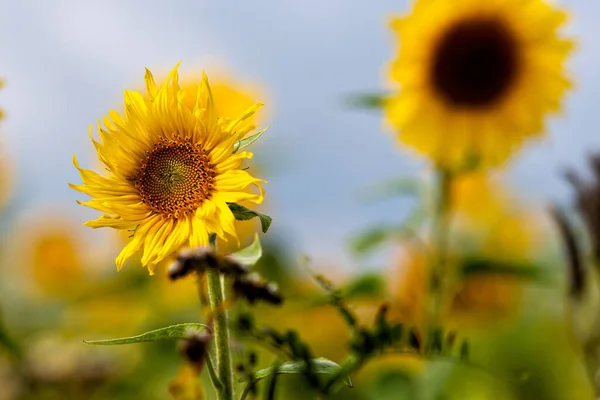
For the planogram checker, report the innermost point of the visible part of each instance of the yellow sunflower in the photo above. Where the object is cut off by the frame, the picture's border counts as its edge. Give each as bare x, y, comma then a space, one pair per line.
56, 261
476, 78
230, 98
172, 170
503, 230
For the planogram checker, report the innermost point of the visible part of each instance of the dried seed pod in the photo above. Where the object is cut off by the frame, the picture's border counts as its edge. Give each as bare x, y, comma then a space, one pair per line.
194, 259
194, 349
254, 288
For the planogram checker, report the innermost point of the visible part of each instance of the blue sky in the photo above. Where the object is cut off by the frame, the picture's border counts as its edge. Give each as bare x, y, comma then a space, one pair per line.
66, 62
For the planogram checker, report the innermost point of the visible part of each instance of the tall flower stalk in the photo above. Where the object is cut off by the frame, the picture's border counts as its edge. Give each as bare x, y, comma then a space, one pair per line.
221, 332
438, 279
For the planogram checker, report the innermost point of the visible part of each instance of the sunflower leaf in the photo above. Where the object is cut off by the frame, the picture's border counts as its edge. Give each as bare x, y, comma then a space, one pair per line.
402, 186
179, 331
369, 240
480, 266
374, 237
319, 366
248, 256
248, 140
364, 286
367, 100
242, 213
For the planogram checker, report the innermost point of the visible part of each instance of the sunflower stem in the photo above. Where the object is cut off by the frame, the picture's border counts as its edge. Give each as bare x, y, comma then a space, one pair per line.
221, 332
439, 250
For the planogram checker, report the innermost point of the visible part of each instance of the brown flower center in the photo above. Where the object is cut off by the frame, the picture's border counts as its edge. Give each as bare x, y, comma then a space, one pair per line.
175, 178
475, 62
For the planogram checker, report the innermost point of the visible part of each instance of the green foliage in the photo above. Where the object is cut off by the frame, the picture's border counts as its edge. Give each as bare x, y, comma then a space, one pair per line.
249, 140
481, 266
8, 343
242, 213
248, 256
367, 285
367, 100
179, 331
319, 366
393, 384
400, 186
369, 240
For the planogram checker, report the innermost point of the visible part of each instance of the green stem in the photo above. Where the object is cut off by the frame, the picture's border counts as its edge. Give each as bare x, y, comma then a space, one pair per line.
352, 363
439, 249
221, 332
246, 391
214, 378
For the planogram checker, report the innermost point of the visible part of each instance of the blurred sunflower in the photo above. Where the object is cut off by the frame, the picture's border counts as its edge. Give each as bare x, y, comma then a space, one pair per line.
6, 180
54, 257
476, 78
5, 172
489, 245
172, 170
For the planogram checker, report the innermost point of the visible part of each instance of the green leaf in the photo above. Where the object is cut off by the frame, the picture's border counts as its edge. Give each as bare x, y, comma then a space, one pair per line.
366, 100
248, 141
481, 266
8, 343
320, 366
367, 285
248, 256
464, 351
374, 237
369, 240
242, 213
180, 331
402, 186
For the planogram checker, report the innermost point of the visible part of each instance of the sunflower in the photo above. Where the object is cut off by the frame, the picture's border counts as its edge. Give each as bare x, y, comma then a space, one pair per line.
230, 97
172, 170
55, 261
503, 232
476, 78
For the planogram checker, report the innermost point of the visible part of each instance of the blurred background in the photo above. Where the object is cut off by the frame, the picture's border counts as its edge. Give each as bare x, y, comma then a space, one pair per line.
65, 64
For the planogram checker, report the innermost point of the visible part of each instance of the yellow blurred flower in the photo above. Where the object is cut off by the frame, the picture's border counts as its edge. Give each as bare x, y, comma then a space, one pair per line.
230, 97
185, 386
53, 253
477, 196
172, 171
6, 180
176, 295
501, 234
475, 78
112, 315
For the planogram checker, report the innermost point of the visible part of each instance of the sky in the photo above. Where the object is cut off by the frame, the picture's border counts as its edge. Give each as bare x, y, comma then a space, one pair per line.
67, 62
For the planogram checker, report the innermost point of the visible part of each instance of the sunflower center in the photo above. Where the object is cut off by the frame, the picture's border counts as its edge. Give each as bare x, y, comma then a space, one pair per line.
175, 178
475, 62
